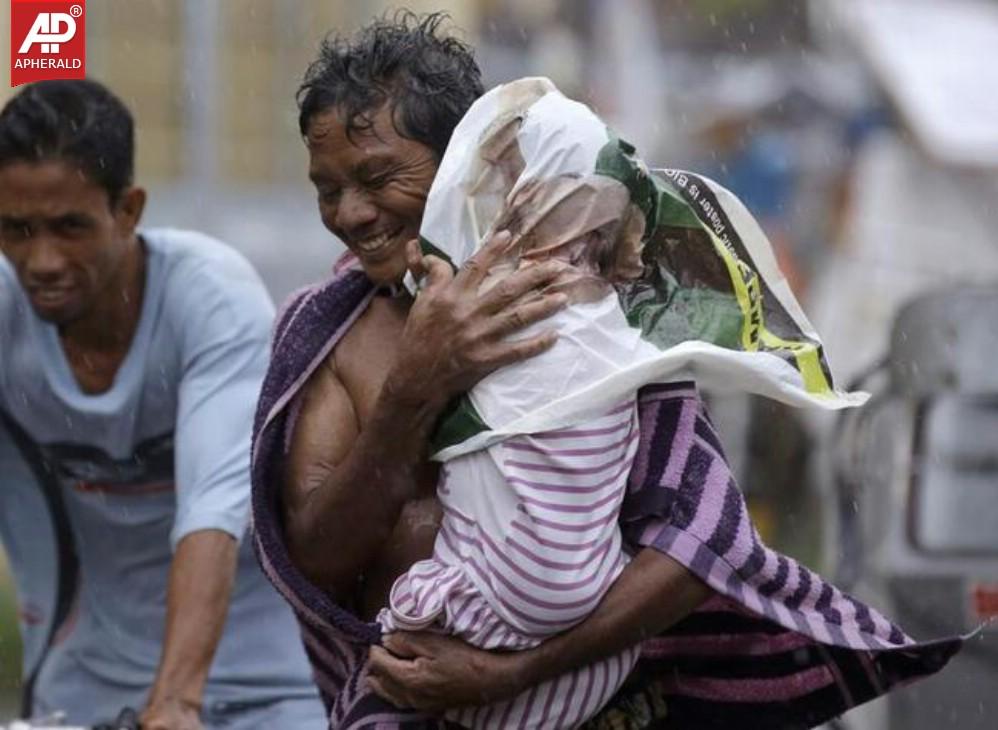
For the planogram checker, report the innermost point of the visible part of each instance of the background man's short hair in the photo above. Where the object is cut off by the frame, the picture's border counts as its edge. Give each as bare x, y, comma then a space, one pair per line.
75, 121
429, 78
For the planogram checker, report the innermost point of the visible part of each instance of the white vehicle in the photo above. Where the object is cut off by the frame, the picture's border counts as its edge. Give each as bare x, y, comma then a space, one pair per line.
917, 480
915, 276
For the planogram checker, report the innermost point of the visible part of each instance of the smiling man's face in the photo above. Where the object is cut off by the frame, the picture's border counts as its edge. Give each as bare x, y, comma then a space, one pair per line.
372, 187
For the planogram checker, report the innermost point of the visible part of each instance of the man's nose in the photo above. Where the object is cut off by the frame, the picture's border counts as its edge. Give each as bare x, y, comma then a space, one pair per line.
45, 261
355, 212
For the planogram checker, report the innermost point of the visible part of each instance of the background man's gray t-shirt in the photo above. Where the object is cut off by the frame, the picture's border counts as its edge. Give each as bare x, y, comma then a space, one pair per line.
161, 454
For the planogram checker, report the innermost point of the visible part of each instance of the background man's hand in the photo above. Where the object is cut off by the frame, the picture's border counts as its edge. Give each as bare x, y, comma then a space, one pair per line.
433, 673
171, 714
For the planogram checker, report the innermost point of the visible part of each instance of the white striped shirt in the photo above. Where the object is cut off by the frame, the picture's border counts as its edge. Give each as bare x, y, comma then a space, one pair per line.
528, 546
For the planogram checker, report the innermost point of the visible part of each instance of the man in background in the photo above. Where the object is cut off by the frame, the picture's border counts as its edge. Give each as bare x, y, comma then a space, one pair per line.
130, 363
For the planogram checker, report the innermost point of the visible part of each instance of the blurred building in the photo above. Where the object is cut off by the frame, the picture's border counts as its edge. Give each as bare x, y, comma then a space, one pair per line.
212, 84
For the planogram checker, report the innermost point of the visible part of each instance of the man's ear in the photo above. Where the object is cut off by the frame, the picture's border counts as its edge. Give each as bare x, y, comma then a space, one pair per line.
128, 212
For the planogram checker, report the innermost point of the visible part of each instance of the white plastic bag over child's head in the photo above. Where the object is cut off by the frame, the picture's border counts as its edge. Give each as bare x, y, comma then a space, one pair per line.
668, 276
523, 159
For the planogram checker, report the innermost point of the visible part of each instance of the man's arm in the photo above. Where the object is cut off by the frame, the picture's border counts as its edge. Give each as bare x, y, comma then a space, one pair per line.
345, 486
201, 577
222, 340
433, 673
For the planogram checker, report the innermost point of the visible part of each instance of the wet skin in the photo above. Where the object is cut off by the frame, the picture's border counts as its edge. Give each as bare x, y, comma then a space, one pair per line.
360, 504
371, 188
78, 259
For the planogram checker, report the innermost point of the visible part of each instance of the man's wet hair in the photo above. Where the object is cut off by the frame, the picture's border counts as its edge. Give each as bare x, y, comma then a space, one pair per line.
75, 121
429, 78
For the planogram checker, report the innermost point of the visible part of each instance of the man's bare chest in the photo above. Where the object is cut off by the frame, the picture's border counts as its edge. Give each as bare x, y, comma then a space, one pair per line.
363, 360
366, 354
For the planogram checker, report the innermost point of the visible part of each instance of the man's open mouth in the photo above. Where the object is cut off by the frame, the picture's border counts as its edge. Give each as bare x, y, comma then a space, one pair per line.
375, 244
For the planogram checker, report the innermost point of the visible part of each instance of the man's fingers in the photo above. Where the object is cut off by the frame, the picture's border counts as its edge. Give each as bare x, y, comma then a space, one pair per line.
438, 273
414, 259
475, 269
387, 690
523, 315
382, 662
520, 283
510, 352
401, 644
392, 678
411, 644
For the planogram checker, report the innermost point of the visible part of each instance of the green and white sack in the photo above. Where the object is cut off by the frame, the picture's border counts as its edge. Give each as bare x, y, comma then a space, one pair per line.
671, 278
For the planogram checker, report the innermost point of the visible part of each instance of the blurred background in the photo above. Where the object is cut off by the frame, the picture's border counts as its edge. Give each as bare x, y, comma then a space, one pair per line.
862, 134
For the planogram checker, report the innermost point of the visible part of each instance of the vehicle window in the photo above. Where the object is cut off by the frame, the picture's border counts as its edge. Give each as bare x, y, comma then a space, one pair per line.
955, 482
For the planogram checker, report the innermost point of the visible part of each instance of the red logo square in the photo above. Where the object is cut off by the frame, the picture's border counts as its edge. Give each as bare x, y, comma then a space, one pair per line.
48, 40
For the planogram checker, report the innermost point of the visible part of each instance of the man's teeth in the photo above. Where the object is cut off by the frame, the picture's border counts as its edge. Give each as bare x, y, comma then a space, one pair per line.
373, 244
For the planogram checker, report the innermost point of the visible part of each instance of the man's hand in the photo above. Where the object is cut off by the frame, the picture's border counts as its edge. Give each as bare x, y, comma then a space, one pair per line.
456, 334
347, 480
197, 600
171, 714
433, 673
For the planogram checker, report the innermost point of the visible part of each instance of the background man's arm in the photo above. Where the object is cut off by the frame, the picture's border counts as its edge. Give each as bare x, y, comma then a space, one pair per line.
433, 673
223, 345
201, 578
